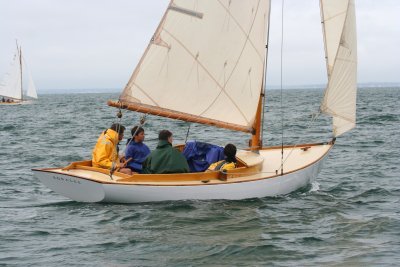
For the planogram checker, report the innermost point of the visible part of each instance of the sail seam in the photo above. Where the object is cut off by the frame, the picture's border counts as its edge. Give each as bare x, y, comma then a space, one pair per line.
243, 31
337, 15
244, 46
238, 59
330, 71
131, 81
222, 88
346, 60
144, 92
327, 110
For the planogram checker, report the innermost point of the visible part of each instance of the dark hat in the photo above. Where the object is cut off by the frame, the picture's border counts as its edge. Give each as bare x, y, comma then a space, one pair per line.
119, 128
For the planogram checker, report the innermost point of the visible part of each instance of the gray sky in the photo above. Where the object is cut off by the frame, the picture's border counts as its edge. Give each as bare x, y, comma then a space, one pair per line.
71, 44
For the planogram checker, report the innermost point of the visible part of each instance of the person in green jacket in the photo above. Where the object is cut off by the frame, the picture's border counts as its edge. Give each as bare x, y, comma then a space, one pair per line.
165, 158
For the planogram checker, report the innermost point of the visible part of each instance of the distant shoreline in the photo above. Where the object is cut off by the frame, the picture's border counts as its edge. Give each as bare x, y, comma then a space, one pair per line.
274, 87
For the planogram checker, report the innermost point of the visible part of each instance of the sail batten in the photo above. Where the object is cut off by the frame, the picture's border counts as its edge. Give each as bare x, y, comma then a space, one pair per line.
206, 59
341, 54
185, 11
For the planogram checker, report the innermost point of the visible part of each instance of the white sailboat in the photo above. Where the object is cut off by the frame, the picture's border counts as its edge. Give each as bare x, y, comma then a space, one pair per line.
206, 63
12, 90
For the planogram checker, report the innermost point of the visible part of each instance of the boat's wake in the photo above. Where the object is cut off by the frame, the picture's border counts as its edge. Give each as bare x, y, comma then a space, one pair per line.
315, 186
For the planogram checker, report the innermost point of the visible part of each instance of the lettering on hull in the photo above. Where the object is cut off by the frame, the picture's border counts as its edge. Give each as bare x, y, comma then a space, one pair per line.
66, 179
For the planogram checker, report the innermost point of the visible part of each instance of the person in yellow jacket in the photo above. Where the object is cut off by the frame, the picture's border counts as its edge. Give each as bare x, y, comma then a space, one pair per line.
105, 152
230, 160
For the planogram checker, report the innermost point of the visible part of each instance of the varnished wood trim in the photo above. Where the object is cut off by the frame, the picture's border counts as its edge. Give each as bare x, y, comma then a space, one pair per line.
296, 146
184, 176
163, 112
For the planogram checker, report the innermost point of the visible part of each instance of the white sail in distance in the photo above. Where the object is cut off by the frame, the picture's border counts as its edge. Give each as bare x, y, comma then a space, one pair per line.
10, 86
31, 91
341, 52
19, 74
206, 59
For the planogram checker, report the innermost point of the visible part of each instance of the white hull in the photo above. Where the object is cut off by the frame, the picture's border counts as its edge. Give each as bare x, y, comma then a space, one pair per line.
10, 103
16, 103
88, 190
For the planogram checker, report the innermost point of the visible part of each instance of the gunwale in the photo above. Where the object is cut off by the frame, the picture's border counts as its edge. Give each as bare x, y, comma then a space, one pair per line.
239, 175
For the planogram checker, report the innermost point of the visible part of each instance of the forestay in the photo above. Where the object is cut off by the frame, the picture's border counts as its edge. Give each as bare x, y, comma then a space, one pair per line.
206, 59
341, 51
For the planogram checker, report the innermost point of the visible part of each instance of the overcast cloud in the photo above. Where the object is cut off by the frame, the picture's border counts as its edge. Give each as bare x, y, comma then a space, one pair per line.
97, 43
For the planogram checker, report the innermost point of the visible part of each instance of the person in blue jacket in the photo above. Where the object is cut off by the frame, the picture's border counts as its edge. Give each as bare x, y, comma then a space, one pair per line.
136, 151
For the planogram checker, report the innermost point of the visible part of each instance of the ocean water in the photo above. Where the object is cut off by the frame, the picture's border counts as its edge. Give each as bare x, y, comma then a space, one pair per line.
349, 217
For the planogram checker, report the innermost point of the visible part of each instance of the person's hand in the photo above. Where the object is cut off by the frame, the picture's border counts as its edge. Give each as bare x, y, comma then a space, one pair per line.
121, 165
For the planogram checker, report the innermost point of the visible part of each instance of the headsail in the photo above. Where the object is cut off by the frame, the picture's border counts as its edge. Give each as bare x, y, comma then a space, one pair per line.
205, 60
341, 52
31, 91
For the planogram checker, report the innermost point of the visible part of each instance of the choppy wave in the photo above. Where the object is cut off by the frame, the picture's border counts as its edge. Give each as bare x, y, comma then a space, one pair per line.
348, 217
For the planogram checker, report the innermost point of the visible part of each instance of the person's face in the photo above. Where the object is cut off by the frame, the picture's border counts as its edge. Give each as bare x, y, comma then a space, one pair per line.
170, 139
139, 137
120, 136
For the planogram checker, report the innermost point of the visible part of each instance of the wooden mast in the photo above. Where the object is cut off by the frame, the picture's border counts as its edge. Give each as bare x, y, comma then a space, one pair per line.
256, 142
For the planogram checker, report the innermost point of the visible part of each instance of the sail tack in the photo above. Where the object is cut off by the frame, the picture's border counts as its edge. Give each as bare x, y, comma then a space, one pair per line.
206, 59
341, 51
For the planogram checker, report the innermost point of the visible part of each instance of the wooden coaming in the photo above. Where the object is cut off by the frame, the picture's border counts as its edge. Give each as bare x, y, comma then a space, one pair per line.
238, 175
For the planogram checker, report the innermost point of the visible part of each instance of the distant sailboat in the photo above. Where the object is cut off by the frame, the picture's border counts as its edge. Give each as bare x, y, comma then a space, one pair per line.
206, 63
12, 86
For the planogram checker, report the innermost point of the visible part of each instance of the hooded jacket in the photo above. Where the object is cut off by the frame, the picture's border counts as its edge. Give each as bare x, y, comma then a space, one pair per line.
222, 165
165, 159
105, 151
137, 152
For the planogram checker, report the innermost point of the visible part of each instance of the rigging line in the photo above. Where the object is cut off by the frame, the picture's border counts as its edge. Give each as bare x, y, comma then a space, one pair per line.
283, 4
115, 150
187, 133
265, 76
314, 118
119, 116
142, 122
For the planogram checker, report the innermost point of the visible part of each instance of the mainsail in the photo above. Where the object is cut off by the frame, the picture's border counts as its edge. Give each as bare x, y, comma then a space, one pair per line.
205, 61
341, 52
11, 84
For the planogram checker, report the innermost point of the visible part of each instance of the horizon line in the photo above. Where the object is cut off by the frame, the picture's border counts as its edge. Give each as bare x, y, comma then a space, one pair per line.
271, 87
